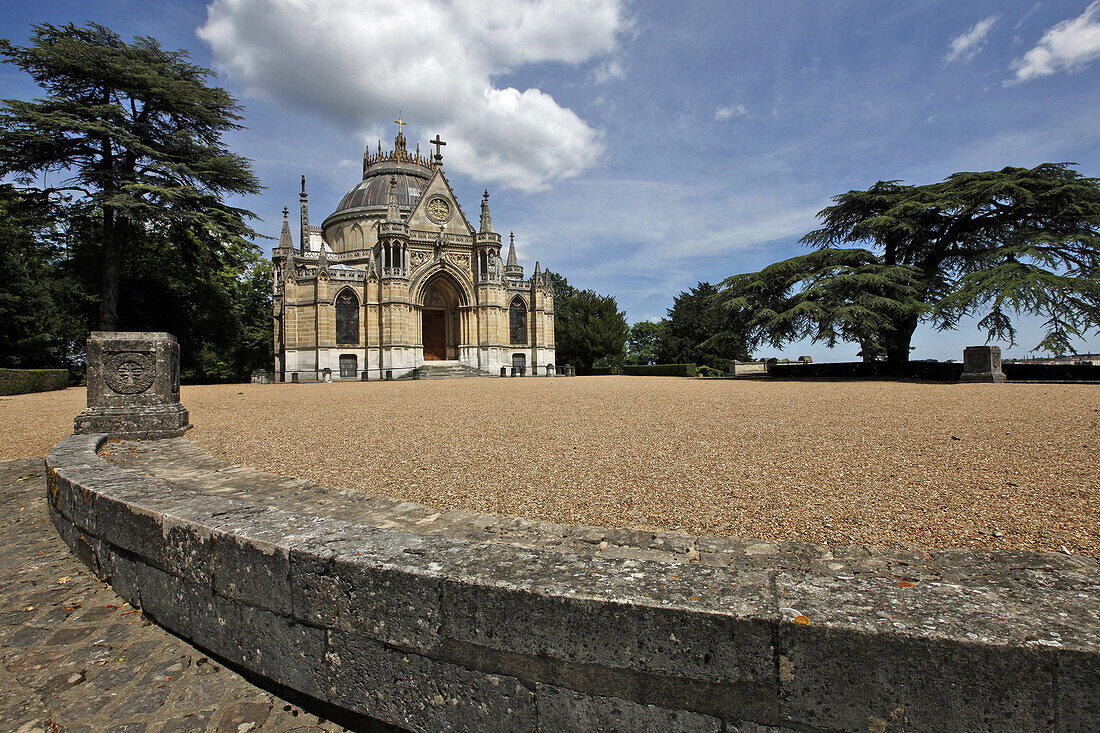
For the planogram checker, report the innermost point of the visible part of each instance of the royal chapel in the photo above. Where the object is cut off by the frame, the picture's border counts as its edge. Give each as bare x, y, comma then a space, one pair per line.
396, 280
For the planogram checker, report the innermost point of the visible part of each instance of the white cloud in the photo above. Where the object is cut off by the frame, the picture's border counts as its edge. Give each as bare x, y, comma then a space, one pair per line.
608, 70
1068, 46
966, 46
359, 61
730, 111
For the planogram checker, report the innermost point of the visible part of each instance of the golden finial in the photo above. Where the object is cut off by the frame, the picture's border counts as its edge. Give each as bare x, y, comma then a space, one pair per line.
400, 124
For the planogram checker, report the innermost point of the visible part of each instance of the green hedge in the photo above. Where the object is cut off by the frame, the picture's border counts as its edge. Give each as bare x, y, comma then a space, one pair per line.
597, 371
659, 370
22, 381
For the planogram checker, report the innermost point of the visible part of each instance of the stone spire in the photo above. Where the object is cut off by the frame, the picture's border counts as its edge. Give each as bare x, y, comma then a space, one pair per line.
285, 240
513, 270
305, 216
486, 217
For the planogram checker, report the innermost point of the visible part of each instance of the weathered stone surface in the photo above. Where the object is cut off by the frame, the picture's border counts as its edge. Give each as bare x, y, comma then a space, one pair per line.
133, 386
411, 622
564, 709
423, 694
982, 364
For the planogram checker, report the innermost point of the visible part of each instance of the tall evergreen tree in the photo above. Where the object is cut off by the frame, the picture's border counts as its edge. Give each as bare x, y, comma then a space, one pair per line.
699, 331
588, 327
135, 132
40, 302
992, 244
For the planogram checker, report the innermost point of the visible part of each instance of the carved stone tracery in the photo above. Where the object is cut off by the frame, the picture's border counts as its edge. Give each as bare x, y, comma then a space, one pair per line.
129, 372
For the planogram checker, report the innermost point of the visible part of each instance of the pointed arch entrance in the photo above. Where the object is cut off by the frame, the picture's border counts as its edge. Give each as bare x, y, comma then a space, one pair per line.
440, 325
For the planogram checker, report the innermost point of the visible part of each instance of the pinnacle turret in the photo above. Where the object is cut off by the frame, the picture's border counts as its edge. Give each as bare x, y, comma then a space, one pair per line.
285, 240
304, 201
513, 270
486, 217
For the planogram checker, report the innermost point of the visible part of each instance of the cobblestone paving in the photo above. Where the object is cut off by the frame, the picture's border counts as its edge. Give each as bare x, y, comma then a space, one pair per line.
74, 657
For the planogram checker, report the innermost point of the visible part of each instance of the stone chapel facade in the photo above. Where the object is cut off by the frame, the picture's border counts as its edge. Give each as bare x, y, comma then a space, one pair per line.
397, 277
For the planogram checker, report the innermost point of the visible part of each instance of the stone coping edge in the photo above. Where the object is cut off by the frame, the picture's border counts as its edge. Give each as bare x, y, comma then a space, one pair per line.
435, 633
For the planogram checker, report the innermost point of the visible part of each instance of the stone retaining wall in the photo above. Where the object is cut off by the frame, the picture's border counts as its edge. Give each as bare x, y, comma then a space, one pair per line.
449, 621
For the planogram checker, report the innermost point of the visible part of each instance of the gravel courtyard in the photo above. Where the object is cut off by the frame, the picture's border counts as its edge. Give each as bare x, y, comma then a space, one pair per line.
891, 464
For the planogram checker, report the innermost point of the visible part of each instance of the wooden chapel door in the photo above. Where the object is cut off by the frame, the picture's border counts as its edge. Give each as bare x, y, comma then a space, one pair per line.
435, 335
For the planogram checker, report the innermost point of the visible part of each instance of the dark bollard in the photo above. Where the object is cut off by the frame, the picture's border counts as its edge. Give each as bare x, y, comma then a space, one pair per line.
389, 374
504, 371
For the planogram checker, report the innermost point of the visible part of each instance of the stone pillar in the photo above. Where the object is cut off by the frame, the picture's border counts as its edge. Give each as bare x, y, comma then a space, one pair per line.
982, 364
133, 386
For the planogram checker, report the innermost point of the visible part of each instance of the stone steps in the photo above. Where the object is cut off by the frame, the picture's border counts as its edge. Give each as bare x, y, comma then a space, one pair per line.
449, 370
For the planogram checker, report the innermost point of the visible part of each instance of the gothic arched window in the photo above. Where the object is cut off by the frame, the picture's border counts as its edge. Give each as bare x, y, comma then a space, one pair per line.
347, 318
517, 321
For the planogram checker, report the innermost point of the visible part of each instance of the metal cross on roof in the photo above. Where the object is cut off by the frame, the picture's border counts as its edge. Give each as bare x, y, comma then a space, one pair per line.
437, 142
400, 124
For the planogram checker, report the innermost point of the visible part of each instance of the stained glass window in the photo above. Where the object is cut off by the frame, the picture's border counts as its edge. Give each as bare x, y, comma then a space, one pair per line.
517, 318
347, 318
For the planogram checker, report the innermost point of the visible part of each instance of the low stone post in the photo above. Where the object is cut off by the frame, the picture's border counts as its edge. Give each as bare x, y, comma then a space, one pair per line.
133, 386
504, 371
982, 364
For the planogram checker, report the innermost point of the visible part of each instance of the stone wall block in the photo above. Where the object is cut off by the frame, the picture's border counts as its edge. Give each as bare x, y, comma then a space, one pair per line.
290, 653
1077, 704
91, 550
179, 548
369, 585
561, 709
423, 695
251, 571
640, 616
837, 679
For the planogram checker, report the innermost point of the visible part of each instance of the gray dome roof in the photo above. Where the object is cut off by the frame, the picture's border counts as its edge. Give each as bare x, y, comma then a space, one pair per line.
374, 191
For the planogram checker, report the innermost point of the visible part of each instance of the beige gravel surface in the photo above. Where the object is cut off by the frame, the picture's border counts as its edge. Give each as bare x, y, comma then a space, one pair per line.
891, 464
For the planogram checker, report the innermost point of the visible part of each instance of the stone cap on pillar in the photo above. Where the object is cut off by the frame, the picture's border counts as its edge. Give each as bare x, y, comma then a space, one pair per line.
133, 386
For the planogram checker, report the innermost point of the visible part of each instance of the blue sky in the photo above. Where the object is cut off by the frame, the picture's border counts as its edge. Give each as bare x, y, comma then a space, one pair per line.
640, 147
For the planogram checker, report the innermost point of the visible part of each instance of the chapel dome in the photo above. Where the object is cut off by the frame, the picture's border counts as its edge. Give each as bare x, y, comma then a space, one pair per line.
373, 191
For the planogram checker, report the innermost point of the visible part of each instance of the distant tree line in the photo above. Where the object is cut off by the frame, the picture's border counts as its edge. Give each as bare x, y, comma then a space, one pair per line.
696, 330
590, 330
114, 215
